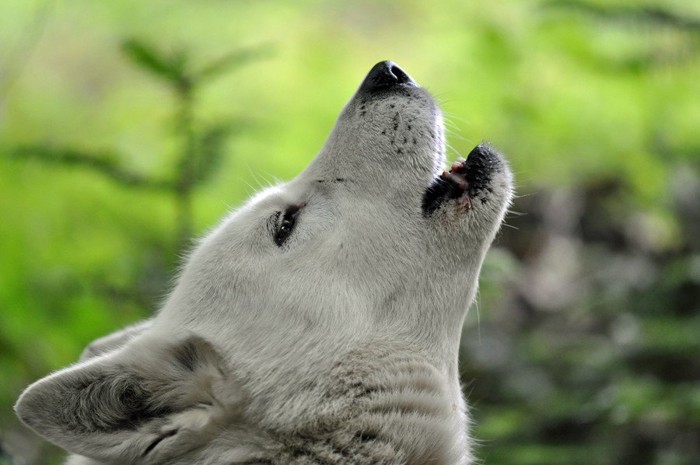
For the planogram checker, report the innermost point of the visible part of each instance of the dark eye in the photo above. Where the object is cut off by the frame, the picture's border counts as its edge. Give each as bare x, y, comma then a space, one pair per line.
285, 225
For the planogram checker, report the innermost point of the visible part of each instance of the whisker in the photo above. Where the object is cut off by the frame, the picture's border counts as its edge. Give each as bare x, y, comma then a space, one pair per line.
516, 213
453, 116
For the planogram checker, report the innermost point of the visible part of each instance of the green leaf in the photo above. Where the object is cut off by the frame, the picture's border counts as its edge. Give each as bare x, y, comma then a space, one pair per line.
234, 60
150, 59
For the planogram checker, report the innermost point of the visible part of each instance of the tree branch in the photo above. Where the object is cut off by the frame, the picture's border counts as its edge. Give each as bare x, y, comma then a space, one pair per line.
649, 14
103, 164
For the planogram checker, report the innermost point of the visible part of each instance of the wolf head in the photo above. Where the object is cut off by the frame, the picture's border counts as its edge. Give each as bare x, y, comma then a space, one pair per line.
372, 245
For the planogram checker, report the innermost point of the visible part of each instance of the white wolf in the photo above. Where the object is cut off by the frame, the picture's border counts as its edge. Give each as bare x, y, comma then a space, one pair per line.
318, 324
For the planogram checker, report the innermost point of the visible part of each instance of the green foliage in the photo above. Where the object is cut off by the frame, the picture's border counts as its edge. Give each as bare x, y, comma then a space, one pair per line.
170, 68
175, 68
201, 145
583, 347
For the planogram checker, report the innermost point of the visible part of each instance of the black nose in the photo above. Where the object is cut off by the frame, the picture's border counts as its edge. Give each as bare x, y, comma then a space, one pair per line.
385, 75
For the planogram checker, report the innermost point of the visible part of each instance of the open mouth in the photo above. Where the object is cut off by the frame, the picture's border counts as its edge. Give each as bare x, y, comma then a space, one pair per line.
467, 181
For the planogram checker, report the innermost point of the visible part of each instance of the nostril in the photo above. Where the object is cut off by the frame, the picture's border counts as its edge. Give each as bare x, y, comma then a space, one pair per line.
398, 73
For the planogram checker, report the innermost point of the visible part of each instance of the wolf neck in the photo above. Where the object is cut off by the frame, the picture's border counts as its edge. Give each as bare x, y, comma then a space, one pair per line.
377, 404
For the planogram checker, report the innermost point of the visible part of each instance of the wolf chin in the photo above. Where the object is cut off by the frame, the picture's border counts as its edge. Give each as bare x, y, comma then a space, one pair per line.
317, 324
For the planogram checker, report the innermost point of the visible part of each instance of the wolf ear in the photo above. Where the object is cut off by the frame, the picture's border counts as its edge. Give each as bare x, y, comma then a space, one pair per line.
115, 340
141, 404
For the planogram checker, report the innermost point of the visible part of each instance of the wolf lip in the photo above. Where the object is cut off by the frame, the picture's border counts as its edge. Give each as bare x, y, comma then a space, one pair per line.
481, 163
464, 181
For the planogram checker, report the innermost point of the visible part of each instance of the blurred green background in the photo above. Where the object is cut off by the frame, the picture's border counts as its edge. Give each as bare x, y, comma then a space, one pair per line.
129, 127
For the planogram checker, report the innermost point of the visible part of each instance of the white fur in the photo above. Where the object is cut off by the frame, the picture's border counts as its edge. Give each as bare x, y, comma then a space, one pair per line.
339, 347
